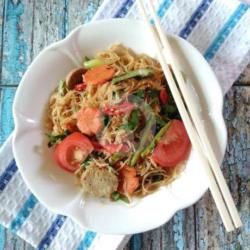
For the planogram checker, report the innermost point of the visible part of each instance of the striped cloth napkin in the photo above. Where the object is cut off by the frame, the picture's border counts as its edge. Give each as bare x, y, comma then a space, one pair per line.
219, 29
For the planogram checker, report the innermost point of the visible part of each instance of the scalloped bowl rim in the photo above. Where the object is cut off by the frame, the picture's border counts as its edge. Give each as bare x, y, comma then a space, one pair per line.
27, 124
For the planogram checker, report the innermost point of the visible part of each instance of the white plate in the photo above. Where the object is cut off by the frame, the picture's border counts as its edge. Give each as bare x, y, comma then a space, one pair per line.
54, 187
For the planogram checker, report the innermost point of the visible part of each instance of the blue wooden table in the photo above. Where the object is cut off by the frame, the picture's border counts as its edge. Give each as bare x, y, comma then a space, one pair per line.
27, 26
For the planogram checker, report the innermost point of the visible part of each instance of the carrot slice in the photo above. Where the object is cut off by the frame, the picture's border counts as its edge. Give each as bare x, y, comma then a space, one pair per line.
89, 121
129, 182
99, 75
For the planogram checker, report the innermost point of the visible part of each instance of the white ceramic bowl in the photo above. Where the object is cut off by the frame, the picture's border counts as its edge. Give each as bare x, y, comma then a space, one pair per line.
55, 188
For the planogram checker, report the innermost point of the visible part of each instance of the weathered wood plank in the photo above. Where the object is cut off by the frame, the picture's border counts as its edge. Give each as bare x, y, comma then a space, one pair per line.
49, 23
1, 34
178, 233
244, 78
6, 124
210, 231
81, 12
16, 38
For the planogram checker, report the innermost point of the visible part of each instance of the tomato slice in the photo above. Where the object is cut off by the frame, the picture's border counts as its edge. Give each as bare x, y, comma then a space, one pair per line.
110, 148
71, 151
164, 98
129, 182
174, 147
119, 109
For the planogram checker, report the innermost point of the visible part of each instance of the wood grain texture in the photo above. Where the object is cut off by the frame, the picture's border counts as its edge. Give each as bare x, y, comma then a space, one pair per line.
244, 77
27, 26
80, 12
6, 124
16, 40
2, 7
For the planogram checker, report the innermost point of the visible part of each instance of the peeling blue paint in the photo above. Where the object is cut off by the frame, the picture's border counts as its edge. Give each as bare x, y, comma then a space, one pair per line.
178, 230
14, 47
66, 17
6, 124
136, 242
2, 238
91, 10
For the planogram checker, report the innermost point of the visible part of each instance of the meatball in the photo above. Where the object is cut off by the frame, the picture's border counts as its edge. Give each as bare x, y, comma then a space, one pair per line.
99, 182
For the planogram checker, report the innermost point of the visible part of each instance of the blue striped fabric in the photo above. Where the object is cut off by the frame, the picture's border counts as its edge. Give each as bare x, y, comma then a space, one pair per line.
87, 240
124, 9
225, 31
7, 174
195, 18
23, 214
164, 7
52, 232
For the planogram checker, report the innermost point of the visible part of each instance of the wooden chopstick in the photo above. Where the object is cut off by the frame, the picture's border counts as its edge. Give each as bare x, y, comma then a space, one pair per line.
196, 120
190, 129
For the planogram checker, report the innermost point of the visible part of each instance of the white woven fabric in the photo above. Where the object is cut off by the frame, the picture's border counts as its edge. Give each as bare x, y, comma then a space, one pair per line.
219, 29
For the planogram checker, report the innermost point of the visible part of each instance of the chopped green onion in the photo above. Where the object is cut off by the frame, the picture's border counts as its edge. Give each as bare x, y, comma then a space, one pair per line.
86, 162
133, 120
116, 196
106, 120
86, 58
54, 139
117, 156
159, 121
124, 198
145, 72
153, 93
62, 88
139, 93
170, 110
112, 170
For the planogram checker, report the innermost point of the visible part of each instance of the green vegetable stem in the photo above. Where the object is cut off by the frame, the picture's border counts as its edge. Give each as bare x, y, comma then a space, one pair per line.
93, 63
145, 72
143, 141
155, 140
117, 156
88, 64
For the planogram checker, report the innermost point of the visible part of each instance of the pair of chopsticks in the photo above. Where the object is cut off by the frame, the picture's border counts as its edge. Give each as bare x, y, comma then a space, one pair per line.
190, 117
